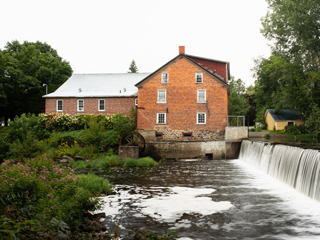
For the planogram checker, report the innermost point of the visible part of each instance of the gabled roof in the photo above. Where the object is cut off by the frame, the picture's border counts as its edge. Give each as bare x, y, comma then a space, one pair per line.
203, 66
99, 85
284, 114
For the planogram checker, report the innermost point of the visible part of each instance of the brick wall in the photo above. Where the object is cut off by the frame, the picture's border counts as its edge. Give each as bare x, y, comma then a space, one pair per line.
112, 105
181, 105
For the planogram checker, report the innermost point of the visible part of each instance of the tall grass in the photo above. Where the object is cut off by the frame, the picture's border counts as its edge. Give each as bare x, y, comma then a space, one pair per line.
114, 160
94, 183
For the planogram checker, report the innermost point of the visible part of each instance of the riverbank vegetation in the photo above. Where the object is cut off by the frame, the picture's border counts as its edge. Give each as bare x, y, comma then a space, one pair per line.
41, 199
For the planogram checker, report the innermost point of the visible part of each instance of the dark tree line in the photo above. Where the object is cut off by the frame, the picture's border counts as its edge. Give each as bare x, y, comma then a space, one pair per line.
24, 69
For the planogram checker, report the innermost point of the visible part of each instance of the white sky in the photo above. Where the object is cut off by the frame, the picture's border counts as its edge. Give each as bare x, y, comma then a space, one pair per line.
103, 36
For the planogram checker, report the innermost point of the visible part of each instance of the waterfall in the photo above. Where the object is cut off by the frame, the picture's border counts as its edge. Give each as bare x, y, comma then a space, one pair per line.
297, 167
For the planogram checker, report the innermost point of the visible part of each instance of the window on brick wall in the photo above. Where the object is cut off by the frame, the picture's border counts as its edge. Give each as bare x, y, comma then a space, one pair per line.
165, 77
59, 105
161, 118
136, 101
162, 98
199, 77
201, 96
101, 105
80, 105
201, 118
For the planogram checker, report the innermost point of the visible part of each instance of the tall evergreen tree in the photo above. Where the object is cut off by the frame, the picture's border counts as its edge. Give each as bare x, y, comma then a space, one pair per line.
133, 67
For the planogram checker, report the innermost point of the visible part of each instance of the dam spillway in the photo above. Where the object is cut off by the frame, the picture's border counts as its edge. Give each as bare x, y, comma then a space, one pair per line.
297, 167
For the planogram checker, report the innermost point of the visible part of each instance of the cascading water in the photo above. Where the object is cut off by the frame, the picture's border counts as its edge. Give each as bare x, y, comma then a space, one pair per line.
297, 167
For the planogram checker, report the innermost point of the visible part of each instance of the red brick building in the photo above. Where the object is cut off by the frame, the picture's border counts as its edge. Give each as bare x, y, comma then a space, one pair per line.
187, 98
95, 94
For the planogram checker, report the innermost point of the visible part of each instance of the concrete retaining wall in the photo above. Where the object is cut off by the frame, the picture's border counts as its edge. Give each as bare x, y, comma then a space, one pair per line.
236, 133
211, 149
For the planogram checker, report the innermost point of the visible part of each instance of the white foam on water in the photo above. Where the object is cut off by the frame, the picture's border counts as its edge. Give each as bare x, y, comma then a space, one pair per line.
169, 206
183, 200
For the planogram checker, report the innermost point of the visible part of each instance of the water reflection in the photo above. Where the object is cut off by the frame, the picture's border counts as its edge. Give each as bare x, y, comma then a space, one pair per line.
210, 200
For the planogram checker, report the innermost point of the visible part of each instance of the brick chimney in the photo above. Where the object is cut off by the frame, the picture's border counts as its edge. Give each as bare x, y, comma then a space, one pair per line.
181, 49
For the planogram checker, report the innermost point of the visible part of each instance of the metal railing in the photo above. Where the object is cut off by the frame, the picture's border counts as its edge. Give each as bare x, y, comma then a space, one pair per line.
236, 121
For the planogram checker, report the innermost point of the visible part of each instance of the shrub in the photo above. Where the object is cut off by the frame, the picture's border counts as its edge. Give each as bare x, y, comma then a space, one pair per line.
95, 134
26, 123
295, 130
29, 148
40, 188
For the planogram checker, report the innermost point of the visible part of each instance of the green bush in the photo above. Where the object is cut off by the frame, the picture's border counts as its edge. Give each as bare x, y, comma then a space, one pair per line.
296, 130
28, 148
39, 188
26, 123
95, 134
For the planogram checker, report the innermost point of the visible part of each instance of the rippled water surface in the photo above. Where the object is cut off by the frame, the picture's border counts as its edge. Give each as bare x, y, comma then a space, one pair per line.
209, 200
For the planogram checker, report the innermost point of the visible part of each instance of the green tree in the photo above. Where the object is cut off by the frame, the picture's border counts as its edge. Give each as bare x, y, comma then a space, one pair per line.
294, 27
313, 120
24, 68
133, 67
238, 103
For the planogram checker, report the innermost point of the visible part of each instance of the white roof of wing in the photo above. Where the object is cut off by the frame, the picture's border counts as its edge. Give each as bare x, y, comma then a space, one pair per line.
99, 85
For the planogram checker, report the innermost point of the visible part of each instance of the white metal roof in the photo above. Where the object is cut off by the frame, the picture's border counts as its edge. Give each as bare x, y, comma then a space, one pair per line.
99, 85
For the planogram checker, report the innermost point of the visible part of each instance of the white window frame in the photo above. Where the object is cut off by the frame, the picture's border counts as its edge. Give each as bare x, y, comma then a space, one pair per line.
78, 107
58, 105
99, 105
165, 118
205, 118
199, 74
136, 101
165, 96
198, 96
163, 79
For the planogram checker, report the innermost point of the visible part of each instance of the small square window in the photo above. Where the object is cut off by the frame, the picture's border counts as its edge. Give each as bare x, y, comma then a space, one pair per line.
165, 77
101, 105
201, 96
80, 105
59, 105
161, 118
199, 77
201, 118
159, 134
162, 96
188, 134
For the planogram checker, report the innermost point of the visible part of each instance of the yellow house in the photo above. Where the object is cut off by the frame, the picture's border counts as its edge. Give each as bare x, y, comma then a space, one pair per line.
285, 117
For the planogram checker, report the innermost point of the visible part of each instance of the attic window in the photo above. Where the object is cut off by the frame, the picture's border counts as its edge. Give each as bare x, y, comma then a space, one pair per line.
165, 77
199, 77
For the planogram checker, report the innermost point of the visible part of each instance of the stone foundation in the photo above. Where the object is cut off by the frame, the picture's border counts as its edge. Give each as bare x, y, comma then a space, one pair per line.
182, 135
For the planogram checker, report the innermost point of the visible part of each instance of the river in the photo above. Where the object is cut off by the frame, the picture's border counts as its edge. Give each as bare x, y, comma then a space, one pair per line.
218, 199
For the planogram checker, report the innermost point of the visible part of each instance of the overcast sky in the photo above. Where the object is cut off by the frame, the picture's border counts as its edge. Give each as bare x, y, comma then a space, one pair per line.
103, 36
